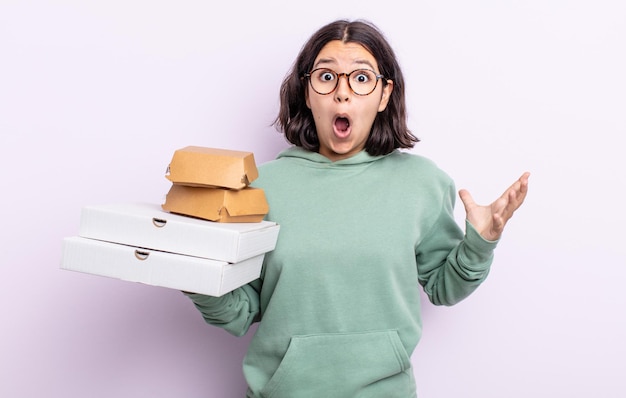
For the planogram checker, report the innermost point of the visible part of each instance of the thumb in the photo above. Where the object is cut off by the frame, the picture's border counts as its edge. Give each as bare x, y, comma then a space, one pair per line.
467, 199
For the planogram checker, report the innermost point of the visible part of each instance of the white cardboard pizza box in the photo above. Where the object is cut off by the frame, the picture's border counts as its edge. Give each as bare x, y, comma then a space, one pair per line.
149, 226
158, 268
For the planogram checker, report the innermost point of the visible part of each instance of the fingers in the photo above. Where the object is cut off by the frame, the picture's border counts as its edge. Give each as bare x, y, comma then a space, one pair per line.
514, 197
490, 220
498, 225
522, 183
517, 192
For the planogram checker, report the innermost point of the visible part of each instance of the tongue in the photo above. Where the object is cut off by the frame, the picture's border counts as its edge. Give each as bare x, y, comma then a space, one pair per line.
342, 124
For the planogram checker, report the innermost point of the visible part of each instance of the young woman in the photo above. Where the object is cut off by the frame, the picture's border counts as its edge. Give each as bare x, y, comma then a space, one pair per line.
363, 224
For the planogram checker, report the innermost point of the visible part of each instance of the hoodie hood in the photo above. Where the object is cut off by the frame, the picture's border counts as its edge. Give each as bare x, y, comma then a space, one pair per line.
300, 153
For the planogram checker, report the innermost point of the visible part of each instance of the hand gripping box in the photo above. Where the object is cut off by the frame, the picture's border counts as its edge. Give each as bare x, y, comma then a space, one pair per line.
212, 167
142, 243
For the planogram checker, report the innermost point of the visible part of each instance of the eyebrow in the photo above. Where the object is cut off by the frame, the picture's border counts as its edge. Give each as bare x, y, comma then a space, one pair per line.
325, 61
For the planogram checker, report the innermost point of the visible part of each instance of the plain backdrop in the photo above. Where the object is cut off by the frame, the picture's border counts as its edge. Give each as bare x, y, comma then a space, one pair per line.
95, 96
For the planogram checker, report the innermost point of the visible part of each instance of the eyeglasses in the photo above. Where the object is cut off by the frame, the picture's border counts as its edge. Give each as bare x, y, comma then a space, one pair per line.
361, 81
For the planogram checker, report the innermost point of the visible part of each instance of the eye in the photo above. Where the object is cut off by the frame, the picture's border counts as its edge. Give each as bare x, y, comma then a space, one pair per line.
326, 76
363, 76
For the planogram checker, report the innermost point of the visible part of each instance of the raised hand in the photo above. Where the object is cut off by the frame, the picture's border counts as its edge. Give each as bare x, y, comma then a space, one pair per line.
490, 220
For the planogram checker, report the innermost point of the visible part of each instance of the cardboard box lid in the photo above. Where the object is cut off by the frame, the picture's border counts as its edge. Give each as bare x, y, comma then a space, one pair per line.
175, 271
148, 225
217, 204
212, 167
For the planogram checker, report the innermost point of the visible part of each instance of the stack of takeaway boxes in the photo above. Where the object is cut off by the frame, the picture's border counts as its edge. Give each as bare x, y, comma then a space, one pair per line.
208, 237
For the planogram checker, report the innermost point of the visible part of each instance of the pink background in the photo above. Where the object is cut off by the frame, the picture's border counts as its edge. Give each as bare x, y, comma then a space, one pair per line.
95, 98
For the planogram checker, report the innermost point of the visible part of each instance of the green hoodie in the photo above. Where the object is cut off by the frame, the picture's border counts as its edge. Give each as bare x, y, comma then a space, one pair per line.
338, 299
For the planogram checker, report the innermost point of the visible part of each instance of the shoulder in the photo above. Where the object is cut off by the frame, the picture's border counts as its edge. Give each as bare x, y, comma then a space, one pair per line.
276, 170
276, 166
420, 177
415, 166
410, 157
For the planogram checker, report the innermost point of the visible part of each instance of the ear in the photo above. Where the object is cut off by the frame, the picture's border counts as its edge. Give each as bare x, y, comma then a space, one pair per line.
384, 99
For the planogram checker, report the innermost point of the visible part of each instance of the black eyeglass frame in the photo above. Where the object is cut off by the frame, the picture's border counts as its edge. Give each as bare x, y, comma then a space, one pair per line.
347, 75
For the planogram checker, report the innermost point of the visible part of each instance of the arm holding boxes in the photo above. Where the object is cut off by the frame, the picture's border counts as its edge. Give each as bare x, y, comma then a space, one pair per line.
234, 312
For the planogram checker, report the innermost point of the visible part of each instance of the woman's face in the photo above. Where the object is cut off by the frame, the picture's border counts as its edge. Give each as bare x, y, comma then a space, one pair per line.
343, 119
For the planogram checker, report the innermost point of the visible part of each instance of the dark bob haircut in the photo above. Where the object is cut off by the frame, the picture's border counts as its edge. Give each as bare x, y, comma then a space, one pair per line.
295, 119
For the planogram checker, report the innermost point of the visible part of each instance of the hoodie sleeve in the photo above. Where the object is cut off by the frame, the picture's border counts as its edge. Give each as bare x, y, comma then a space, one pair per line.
234, 312
452, 266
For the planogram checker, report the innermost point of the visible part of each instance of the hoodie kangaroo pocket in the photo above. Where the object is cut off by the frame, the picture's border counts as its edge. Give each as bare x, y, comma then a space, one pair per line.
343, 365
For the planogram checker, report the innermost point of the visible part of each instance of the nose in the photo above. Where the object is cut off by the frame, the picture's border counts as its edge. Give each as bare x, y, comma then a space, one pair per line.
343, 90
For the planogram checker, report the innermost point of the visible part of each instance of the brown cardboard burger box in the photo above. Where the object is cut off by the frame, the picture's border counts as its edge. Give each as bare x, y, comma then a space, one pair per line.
212, 167
213, 184
217, 204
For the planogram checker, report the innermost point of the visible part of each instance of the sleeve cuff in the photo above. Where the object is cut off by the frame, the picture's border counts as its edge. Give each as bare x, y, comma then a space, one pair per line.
479, 249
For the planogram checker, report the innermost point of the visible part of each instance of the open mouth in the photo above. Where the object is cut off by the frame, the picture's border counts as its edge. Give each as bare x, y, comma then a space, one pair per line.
342, 126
